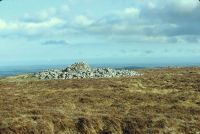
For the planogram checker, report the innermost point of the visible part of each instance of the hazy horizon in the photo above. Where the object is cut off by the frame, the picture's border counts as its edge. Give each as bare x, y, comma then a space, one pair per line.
139, 62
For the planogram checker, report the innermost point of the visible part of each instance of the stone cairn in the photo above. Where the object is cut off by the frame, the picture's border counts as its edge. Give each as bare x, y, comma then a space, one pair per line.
82, 70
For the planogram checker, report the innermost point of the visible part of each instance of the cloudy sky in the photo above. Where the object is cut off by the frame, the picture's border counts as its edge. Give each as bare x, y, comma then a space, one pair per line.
100, 31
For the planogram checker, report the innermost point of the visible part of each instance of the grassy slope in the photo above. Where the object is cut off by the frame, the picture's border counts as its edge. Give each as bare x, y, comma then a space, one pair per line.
160, 101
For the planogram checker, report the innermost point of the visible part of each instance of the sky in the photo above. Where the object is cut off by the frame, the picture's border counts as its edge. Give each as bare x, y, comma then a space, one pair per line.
37, 32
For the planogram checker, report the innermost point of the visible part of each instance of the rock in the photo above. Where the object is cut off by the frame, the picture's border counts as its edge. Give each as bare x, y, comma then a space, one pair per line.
82, 70
78, 67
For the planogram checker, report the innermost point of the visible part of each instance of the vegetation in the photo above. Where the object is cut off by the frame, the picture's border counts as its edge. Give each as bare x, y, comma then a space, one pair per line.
161, 101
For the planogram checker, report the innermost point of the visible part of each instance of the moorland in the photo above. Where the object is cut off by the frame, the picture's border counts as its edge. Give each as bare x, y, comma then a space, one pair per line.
163, 100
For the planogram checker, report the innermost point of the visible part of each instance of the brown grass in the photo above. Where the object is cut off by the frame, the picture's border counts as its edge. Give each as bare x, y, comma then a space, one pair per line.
161, 101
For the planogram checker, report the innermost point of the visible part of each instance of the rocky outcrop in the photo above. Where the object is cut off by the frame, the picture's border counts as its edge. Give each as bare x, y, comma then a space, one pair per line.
82, 70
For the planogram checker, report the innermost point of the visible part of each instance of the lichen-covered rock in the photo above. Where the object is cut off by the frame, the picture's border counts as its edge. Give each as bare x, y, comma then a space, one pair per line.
82, 70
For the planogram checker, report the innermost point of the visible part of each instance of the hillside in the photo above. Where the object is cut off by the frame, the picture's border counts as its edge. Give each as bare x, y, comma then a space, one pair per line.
160, 101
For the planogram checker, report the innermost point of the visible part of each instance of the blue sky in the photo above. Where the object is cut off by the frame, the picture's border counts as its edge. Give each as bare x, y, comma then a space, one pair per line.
99, 31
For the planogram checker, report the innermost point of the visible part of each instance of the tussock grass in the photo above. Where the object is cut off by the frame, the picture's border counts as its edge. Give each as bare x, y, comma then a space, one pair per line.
161, 101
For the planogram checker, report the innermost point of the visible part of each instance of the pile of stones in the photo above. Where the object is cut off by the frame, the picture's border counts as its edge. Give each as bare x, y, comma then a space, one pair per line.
82, 70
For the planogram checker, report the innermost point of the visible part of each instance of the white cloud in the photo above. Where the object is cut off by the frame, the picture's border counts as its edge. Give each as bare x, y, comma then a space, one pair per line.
46, 14
65, 8
18, 25
131, 12
46, 24
151, 5
83, 20
3, 24
185, 5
